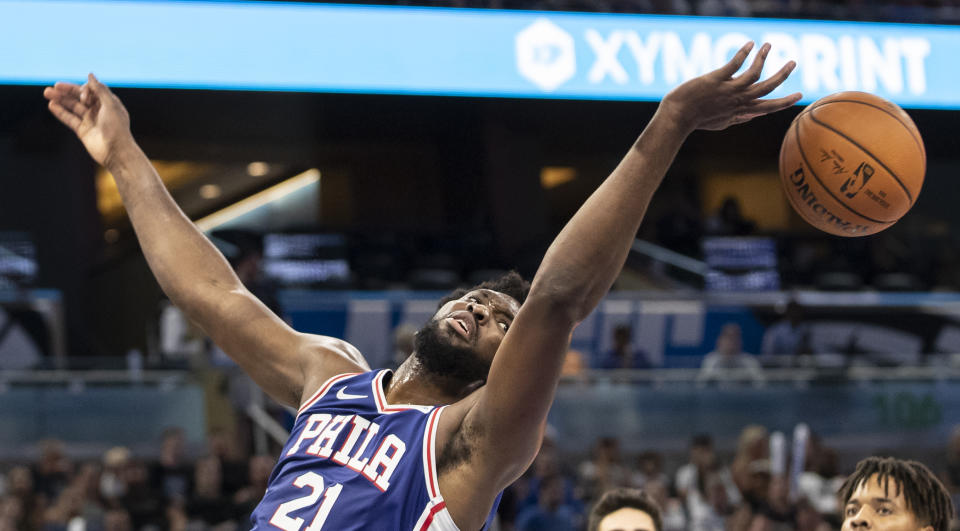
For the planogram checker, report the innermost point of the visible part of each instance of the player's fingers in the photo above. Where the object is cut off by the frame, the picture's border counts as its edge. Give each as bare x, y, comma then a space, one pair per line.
64, 87
78, 107
66, 100
72, 104
770, 84
55, 92
88, 96
773, 105
68, 118
98, 88
728, 70
756, 68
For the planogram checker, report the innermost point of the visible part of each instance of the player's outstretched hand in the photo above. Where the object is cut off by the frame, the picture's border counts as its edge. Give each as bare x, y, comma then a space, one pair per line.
718, 100
93, 113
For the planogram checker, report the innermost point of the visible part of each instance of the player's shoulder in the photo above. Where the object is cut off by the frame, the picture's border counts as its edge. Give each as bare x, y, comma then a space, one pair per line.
328, 356
325, 357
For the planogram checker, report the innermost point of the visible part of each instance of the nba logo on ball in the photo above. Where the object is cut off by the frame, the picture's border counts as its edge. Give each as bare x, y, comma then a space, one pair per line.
852, 164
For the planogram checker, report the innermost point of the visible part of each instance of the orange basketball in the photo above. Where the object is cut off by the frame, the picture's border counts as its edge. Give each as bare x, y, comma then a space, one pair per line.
852, 163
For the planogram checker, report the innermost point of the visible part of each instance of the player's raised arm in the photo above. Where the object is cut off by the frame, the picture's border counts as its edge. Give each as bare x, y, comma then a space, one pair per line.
583, 261
191, 271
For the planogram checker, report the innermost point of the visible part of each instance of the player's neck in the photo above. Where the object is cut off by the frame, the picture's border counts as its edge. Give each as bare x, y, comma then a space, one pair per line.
413, 384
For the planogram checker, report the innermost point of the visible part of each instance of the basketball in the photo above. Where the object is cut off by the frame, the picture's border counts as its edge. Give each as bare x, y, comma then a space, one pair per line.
852, 163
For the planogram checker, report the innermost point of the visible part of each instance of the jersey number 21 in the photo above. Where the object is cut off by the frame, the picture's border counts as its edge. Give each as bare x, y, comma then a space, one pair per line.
314, 482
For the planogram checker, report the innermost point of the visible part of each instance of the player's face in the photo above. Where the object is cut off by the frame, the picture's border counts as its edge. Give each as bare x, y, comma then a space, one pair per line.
459, 343
875, 508
626, 519
478, 321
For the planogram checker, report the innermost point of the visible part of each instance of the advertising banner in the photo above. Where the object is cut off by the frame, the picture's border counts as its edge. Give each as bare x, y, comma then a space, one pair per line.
456, 52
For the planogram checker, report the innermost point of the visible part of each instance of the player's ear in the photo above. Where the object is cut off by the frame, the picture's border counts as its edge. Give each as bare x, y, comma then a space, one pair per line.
927, 528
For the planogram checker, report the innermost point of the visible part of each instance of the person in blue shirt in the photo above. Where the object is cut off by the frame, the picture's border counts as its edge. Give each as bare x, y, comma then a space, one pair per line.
623, 355
550, 513
787, 338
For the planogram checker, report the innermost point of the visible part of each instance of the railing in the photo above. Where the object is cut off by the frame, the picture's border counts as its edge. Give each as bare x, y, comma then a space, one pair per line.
856, 410
93, 377
52, 386
853, 374
666, 256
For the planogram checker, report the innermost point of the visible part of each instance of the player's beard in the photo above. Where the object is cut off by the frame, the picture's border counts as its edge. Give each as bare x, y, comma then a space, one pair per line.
453, 366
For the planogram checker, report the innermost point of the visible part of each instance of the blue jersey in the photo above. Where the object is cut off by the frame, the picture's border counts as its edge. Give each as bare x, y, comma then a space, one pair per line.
353, 461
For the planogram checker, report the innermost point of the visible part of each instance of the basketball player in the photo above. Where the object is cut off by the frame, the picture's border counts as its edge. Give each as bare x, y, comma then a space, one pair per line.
432, 445
887, 494
625, 510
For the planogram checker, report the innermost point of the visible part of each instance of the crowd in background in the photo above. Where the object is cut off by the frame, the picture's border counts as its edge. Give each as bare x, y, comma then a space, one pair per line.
217, 486
173, 489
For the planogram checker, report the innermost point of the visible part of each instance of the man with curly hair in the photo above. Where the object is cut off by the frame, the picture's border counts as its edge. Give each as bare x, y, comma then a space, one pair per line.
888, 494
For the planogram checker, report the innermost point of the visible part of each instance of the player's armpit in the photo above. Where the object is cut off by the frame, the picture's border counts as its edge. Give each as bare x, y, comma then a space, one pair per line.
501, 424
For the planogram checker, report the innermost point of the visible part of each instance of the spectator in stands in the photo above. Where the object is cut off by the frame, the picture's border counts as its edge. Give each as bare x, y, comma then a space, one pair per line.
625, 509
550, 513
623, 355
11, 514
233, 468
706, 487
671, 508
117, 520
807, 518
87, 483
144, 504
66, 509
765, 493
258, 475
728, 360
603, 471
680, 228
786, 338
175, 516
729, 221
180, 340
30, 504
53, 470
208, 505
764, 504
753, 450
548, 463
649, 469
172, 473
113, 482
821, 480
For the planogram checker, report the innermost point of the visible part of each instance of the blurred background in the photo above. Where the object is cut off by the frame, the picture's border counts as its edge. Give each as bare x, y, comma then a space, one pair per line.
355, 162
